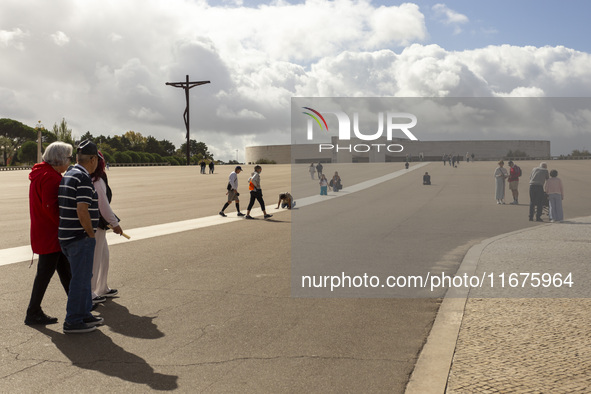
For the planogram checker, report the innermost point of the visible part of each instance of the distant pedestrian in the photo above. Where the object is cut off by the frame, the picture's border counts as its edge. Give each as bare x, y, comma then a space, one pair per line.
421, 156
472, 157
79, 216
453, 161
232, 192
406, 165
285, 201
444, 159
202, 164
323, 185
514, 174
45, 180
536, 191
500, 175
211, 165
319, 169
100, 266
467, 157
256, 193
426, 179
312, 170
553, 188
335, 182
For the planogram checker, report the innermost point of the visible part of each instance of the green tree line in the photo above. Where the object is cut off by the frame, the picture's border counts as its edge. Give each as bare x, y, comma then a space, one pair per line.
18, 145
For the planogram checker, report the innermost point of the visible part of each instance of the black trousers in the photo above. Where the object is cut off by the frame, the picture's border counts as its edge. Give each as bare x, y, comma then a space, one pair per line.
536, 200
256, 195
46, 266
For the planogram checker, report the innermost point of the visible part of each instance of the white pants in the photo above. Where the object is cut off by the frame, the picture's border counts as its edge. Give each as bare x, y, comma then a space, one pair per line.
100, 267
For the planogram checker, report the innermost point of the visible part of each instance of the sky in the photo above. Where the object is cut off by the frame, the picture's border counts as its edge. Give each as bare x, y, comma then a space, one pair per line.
103, 65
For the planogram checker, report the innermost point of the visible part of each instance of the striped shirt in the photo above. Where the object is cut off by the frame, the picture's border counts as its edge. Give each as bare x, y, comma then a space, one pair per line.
76, 187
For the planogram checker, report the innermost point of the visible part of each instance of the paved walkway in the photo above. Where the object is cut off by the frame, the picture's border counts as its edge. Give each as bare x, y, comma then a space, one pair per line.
522, 339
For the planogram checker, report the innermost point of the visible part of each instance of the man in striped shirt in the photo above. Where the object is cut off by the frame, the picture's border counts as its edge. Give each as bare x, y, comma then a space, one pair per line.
79, 216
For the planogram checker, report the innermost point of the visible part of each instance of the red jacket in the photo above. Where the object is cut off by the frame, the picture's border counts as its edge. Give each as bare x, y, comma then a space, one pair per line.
43, 207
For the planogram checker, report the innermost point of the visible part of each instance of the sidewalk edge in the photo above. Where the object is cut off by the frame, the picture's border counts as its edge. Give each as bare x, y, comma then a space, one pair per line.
434, 363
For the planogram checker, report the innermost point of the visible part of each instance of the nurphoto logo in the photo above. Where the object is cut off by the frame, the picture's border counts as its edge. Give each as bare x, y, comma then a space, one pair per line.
391, 119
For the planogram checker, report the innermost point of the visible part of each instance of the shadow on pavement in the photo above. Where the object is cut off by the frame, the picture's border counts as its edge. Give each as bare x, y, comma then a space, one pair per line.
120, 320
97, 352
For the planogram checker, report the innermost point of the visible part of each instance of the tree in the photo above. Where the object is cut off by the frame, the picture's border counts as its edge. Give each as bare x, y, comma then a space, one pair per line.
62, 132
28, 152
137, 142
196, 148
168, 147
87, 136
14, 134
153, 146
577, 152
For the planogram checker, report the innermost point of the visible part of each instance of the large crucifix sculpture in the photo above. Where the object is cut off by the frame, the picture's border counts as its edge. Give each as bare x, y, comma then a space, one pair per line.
187, 85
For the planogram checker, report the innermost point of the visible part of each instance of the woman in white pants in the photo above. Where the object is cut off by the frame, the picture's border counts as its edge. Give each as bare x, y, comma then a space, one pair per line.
100, 267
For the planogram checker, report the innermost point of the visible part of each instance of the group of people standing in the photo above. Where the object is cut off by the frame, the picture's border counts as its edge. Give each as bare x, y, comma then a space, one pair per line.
543, 186
203, 165
335, 182
69, 219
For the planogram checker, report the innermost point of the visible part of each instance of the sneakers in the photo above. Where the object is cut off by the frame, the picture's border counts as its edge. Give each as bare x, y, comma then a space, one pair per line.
98, 300
248, 217
79, 328
111, 293
93, 321
239, 214
267, 216
222, 214
40, 319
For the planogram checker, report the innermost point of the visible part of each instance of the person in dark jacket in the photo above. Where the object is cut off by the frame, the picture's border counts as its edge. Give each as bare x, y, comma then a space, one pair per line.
45, 179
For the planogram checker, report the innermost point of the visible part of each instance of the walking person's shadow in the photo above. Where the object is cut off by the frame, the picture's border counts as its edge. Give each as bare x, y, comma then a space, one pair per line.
96, 351
121, 321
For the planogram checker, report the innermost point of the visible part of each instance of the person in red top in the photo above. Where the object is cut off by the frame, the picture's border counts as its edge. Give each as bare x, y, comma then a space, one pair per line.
513, 180
45, 180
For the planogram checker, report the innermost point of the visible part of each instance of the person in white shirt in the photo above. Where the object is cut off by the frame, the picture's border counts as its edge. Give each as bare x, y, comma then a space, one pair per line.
232, 192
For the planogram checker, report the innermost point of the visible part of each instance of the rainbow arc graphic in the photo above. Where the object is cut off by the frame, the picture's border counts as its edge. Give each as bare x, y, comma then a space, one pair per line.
315, 116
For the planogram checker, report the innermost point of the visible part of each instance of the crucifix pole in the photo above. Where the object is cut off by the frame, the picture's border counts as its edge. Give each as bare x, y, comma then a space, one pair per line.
186, 86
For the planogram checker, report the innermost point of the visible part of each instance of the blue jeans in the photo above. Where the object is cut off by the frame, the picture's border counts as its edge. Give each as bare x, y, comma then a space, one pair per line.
323, 190
80, 254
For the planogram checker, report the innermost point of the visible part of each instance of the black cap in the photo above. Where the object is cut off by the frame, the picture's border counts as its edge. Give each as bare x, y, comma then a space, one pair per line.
87, 147
238, 168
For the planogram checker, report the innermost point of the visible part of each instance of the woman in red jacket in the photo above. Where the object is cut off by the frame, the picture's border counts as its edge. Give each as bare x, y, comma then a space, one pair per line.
45, 180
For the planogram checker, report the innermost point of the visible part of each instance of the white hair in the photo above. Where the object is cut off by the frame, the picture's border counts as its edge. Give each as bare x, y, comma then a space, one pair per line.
58, 154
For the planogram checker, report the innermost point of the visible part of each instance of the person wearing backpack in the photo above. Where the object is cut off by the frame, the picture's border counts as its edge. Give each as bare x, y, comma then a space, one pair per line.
514, 174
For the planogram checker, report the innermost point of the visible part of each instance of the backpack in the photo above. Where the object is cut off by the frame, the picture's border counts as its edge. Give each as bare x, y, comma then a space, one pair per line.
518, 170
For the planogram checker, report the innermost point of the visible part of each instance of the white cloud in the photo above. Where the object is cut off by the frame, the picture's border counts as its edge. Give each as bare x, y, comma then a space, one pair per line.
447, 15
60, 38
13, 38
110, 77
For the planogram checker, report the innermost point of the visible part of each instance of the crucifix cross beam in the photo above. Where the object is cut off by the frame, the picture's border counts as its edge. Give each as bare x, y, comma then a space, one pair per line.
186, 86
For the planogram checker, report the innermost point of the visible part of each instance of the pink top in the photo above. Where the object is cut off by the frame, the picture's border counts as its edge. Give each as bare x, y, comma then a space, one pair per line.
554, 186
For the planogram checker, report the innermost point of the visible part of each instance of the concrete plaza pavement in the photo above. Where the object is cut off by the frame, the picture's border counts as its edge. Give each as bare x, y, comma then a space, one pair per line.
209, 310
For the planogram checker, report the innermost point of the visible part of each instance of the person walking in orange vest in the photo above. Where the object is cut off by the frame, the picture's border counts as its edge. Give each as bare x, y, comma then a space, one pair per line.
256, 193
